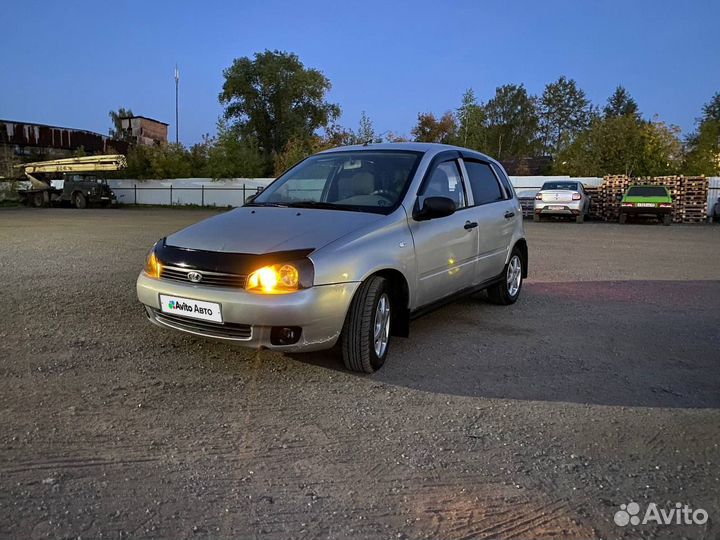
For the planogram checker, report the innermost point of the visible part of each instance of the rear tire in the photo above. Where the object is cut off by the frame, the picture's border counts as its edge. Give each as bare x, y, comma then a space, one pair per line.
623, 219
366, 333
667, 219
508, 290
38, 199
79, 201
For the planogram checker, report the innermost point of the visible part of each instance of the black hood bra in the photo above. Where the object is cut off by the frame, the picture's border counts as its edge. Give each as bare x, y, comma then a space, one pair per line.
226, 263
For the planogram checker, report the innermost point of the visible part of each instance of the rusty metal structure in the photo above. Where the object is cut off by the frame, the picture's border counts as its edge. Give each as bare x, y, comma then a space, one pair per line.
24, 139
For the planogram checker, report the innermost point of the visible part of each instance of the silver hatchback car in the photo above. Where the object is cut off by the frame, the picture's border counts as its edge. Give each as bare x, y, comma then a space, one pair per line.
344, 248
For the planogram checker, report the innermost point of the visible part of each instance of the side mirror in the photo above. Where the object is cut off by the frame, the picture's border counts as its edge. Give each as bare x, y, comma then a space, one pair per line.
435, 207
251, 198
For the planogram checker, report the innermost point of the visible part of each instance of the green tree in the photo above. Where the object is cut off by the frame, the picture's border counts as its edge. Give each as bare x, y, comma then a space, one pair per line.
273, 98
471, 119
199, 155
622, 145
116, 131
564, 112
431, 129
621, 103
170, 161
159, 162
366, 131
663, 152
138, 163
232, 156
711, 110
703, 145
512, 123
295, 151
336, 135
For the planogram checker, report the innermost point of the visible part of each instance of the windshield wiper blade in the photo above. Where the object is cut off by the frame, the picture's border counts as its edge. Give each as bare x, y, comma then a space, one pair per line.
320, 204
278, 205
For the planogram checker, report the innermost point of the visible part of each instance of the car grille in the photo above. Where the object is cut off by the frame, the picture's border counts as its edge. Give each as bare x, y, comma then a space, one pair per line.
215, 279
240, 332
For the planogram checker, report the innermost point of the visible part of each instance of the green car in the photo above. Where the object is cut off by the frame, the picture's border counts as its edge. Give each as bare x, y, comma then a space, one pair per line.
647, 201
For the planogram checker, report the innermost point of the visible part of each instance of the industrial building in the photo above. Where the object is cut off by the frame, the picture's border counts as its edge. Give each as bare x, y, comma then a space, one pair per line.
144, 130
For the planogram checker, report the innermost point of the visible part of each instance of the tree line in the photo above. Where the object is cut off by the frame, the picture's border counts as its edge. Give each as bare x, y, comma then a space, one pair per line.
276, 113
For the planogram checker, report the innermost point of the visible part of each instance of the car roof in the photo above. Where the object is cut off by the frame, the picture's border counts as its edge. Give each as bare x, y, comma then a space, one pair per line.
425, 148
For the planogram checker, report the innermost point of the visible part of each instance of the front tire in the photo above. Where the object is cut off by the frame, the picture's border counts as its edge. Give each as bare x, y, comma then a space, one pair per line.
80, 201
579, 218
508, 290
623, 219
366, 333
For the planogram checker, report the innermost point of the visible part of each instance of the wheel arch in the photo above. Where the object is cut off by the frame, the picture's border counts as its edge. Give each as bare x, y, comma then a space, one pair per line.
400, 321
522, 246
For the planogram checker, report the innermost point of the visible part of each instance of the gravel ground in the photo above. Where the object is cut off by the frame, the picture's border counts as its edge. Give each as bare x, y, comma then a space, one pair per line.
601, 386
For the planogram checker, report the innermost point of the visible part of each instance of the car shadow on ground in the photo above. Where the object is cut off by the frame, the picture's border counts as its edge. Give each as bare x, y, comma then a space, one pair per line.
634, 343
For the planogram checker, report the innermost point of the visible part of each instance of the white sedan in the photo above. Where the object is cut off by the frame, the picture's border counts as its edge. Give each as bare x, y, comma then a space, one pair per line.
562, 198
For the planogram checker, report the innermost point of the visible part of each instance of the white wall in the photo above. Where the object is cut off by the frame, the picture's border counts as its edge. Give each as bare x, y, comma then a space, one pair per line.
158, 191
525, 186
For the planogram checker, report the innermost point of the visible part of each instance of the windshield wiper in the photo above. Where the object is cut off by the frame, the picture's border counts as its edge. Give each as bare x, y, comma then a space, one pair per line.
266, 204
324, 205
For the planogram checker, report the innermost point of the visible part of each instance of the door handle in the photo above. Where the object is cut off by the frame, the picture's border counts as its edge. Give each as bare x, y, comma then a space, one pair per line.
508, 215
470, 225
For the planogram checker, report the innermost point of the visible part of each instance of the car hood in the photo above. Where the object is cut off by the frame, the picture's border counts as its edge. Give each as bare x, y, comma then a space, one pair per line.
258, 230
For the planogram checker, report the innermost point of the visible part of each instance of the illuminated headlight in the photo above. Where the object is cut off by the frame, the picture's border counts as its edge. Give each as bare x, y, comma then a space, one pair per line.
274, 279
152, 265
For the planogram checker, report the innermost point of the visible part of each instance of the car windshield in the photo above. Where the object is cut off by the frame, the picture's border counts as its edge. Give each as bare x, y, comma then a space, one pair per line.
572, 186
365, 181
647, 191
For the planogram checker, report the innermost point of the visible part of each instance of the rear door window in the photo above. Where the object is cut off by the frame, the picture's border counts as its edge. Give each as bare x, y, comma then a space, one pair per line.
483, 183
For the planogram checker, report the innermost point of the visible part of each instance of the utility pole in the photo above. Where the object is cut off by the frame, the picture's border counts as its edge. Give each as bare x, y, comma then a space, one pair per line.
177, 84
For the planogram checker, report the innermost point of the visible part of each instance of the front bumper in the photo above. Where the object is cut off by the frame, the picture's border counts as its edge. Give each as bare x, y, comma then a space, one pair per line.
572, 208
320, 312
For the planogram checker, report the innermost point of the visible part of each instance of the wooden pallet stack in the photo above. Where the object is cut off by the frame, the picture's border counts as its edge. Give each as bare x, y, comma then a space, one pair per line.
611, 191
595, 210
528, 206
693, 195
689, 195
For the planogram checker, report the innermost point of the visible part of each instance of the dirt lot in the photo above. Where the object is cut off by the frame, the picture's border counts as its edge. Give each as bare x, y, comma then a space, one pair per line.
601, 386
